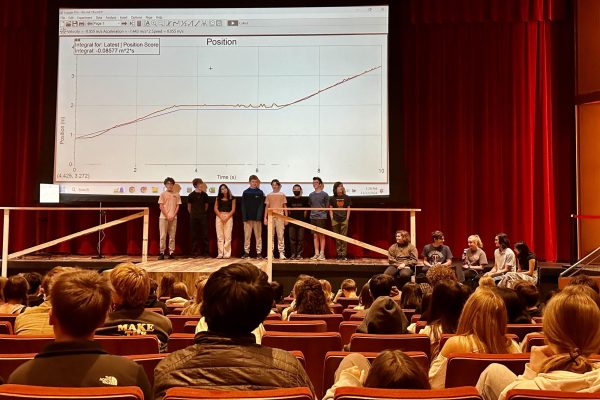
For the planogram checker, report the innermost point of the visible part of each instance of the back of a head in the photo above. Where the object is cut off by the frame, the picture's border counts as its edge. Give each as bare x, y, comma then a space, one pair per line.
131, 284
277, 292
236, 299
484, 316
51, 276
311, 298
528, 293
298, 284
571, 327
166, 285
365, 298
200, 283
487, 281
412, 296
349, 285
326, 285
517, 312
438, 273
34, 279
380, 285
385, 317
180, 290
15, 289
80, 302
447, 301
583, 279
392, 369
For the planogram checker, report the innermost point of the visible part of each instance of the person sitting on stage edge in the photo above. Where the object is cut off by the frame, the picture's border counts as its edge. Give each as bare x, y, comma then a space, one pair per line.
403, 257
437, 253
504, 258
80, 302
237, 298
129, 318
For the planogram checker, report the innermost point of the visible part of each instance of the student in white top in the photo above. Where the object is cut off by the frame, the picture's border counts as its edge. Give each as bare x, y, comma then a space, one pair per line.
504, 258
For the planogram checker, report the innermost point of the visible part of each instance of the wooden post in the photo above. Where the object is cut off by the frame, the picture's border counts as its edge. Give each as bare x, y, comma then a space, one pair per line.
413, 227
5, 244
269, 270
146, 224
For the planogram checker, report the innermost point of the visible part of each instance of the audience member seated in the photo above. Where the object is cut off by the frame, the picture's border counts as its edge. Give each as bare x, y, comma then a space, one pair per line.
391, 369
34, 320
571, 326
166, 285
383, 317
193, 306
583, 279
327, 290
481, 329
80, 302
15, 295
129, 318
3, 280
179, 296
517, 311
527, 267
152, 301
402, 257
277, 292
35, 297
310, 298
294, 293
487, 281
237, 298
411, 297
364, 299
446, 305
529, 295
347, 290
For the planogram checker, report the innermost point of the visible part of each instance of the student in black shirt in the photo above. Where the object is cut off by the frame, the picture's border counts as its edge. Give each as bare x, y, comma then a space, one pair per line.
197, 207
296, 232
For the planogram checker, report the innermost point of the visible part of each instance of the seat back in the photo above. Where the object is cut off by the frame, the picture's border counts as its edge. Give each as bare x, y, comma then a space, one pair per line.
409, 312
273, 317
190, 327
9, 362
9, 317
534, 339
415, 318
530, 394
336, 308
148, 362
314, 346
446, 336
6, 328
377, 343
348, 312
522, 329
347, 301
127, 345
178, 341
334, 358
464, 369
12, 344
179, 321
182, 393
362, 393
357, 317
296, 326
333, 320
157, 310
347, 329
26, 392
174, 310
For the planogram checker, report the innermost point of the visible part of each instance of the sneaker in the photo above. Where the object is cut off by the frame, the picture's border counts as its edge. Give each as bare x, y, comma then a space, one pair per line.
259, 257
315, 257
343, 258
282, 257
321, 257
245, 255
161, 256
220, 256
171, 256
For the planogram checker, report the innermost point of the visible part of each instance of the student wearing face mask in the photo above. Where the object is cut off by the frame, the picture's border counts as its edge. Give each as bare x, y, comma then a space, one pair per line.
297, 232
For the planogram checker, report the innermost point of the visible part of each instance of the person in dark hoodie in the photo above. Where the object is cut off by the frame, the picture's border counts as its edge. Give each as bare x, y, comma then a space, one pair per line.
384, 317
253, 204
152, 300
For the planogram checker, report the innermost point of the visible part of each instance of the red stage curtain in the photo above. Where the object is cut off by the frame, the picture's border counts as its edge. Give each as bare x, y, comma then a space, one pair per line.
486, 97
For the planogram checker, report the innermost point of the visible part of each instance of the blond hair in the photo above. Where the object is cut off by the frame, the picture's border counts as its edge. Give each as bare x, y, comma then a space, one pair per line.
571, 326
476, 239
131, 284
484, 318
487, 281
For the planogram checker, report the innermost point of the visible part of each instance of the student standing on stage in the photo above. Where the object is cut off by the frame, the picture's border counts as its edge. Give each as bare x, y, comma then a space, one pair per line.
339, 219
318, 199
253, 203
169, 202
197, 206
224, 209
276, 199
296, 231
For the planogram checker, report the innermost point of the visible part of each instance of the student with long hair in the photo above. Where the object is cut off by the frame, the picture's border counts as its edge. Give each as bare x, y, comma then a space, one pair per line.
15, 295
391, 369
481, 329
527, 268
166, 285
310, 298
504, 257
224, 209
474, 258
571, 327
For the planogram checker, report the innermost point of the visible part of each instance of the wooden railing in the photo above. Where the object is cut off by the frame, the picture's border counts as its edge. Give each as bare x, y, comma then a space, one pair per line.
273, 213
143, 212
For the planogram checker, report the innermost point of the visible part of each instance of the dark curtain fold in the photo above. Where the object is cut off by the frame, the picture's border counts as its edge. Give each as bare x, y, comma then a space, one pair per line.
487, 127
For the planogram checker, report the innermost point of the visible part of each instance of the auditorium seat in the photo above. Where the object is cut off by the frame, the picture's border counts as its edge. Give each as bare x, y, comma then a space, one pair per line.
415, 318
336, 308
537, 320
377, 343
446, 336
347, 329
26, 392
533, 339
357, 317
189, 327
464, 369
178, 321
296, 326
280, 307
314, 346
333, 320
522, 329
148, 362
362, 393
273, 317
6, 328
12, 344
334, 358
347, 301
157, 310
127, 345
530, 394
420, 325
9, 317
409, 312
9, 362
182, 393
172, 310
348, 312
178, 341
